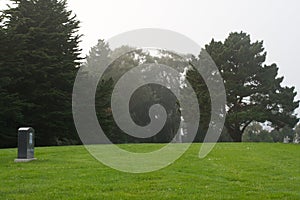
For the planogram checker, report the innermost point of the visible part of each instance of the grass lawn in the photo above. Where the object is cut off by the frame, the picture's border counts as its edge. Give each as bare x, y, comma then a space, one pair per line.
230, 171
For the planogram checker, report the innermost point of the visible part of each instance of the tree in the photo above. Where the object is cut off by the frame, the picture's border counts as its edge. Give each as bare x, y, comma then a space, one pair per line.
98, 57
201, 90
254, 91
10, 103
279, 134
124, 59
297, 129
255, 133
42, 66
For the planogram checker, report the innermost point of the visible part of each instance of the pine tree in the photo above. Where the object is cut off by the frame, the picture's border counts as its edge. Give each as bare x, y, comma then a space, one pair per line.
43, 66
254, 91
10, 104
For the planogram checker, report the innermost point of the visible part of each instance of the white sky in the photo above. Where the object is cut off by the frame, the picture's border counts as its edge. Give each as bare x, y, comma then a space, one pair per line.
276, 22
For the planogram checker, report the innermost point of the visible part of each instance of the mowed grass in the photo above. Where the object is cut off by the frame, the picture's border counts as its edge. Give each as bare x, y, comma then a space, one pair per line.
230, 171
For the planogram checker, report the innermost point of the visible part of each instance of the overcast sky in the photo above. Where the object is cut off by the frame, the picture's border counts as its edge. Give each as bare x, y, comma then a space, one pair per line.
275, 22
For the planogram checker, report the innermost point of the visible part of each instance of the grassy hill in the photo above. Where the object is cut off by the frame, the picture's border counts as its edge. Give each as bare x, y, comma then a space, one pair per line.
230, 171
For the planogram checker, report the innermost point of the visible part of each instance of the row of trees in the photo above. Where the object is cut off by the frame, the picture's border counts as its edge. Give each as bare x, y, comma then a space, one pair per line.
122, 60
39, 60
254, 90
255, 132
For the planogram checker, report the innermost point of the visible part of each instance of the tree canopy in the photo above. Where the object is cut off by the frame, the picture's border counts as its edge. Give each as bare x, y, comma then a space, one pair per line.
41, 55
254, 90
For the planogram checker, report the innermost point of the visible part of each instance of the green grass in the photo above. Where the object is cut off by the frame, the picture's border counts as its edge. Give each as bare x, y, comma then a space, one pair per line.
230, 171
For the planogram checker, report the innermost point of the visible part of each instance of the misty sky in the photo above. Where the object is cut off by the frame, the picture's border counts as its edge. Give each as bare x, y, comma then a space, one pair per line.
275, 22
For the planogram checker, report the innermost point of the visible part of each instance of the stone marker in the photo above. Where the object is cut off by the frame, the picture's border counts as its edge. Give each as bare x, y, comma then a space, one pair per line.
297, 139
25, 145
286, 140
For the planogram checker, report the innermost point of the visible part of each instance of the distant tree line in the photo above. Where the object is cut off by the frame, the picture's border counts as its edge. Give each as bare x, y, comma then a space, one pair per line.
40, 57
256, 132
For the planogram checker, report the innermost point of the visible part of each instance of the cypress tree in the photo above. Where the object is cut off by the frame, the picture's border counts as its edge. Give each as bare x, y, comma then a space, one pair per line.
44, 55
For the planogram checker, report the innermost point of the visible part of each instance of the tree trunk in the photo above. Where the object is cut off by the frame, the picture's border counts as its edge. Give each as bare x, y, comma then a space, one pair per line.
236, 135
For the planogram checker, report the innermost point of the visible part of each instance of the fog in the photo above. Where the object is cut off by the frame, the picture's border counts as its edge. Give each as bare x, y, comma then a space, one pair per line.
274, 22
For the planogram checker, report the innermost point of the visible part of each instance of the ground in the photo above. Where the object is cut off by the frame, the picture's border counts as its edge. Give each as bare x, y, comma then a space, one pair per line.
230, 171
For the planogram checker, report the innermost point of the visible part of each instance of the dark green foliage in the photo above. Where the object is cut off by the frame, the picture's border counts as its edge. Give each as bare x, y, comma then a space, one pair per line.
123, 59
41, 66
140, 104
254, 91
255, 133
103, 107
279, 135
38, 59
10, 103
200, 88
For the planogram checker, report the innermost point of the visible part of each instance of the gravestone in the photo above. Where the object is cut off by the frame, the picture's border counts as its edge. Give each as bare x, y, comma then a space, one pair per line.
286, 140
25, 144
297, 139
